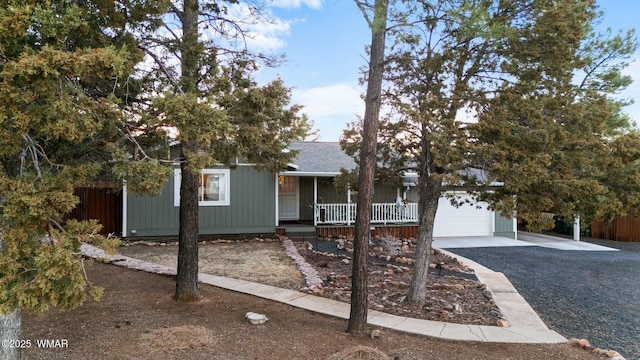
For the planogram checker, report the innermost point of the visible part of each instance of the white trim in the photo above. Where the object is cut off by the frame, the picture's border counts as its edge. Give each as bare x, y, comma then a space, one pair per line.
296, 214
493, 222
177, 164
308, 173
239, 164
224, 186
333, 174
124, 209
277, 200
315, 200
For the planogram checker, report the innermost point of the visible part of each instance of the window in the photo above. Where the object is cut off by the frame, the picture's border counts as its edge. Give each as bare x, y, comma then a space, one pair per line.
213, 187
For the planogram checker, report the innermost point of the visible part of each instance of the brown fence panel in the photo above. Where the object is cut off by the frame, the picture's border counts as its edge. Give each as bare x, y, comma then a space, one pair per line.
622, 228
101, 203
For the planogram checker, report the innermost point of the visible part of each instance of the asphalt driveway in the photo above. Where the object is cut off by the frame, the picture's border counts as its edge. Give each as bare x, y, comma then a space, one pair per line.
583, 294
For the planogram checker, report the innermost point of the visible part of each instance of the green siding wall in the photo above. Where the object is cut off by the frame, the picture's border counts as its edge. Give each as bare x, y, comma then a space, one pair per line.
251, 209
503, 226
327, 192
385, 194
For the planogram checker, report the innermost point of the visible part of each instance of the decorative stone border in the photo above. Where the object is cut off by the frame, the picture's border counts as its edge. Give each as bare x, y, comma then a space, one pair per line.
312, 279
584, 343
218, 241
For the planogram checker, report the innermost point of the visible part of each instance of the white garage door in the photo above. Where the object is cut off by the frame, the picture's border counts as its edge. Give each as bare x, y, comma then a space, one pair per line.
466, 220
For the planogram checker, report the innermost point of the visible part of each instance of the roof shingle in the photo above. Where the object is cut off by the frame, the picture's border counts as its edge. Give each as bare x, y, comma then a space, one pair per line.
321, 157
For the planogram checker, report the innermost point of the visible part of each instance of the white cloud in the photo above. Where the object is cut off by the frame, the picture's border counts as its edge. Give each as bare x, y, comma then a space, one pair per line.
313, 4
265, 33
268, 36
331, 107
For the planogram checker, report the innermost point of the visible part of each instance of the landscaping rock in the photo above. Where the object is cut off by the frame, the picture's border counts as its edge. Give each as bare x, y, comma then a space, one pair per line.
583, 342
392, 280
611, 354
255, 318
457, 309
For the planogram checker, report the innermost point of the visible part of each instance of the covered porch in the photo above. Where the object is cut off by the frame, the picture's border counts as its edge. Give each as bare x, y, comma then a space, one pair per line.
308, 199
309, 205
313, 200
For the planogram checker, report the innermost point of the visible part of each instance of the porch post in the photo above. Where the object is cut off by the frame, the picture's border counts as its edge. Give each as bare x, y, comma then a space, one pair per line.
576, 229
124, 209
348, 205
277, 199
315, 201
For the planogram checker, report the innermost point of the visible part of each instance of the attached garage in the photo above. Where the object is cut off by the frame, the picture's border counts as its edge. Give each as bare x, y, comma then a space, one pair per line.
466, 220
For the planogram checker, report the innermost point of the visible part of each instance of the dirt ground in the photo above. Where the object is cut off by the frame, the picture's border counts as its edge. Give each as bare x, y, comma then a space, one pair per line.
262, 262
138, 319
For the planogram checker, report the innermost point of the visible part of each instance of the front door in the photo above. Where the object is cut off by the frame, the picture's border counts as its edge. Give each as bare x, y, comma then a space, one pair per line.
288, 198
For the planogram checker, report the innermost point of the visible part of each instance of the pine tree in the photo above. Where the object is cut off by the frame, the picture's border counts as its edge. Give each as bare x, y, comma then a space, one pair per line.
207, 94
61, 84
511, 67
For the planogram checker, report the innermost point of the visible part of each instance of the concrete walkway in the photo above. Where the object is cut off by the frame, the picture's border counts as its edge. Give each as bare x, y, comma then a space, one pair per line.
526, 326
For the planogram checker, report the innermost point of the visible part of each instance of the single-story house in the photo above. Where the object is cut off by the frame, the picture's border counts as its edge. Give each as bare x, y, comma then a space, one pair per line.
243, 200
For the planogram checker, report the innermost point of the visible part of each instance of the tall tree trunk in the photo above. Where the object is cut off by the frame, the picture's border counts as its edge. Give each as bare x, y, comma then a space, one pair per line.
10, 327
429, 193
187, 279
359, 291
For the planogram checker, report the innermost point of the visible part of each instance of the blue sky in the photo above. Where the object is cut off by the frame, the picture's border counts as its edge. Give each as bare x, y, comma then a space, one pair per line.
324, 42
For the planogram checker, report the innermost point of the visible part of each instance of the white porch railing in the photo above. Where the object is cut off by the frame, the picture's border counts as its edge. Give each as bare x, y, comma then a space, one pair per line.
381, 213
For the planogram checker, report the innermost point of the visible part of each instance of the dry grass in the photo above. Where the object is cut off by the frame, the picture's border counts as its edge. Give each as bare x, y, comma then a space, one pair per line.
262, 262
359, 353
177, 338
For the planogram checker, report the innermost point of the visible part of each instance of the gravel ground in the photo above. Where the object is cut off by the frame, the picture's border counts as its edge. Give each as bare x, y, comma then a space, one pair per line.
583, 294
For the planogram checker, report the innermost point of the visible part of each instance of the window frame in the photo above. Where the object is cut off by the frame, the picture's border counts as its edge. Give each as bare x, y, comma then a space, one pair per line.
225, 184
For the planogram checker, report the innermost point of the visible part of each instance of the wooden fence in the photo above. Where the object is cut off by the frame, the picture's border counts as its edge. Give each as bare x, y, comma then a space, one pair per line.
625, 229
103, 203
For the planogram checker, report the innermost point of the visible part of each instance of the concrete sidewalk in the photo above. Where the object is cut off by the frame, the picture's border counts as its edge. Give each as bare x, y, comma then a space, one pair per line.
526, 326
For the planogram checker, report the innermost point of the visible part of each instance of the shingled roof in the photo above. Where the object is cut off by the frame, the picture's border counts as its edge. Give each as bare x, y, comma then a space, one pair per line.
320, 158
326, 158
